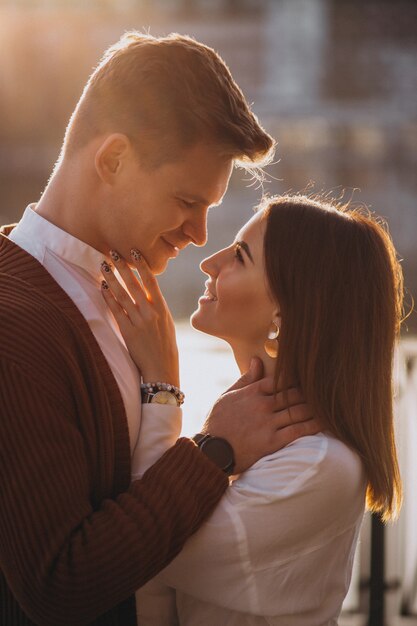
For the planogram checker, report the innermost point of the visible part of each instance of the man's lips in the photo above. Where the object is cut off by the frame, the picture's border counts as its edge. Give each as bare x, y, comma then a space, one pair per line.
176, 245
174, 249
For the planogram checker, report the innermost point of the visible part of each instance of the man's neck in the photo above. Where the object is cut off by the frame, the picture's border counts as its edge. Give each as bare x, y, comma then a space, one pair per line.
63, 203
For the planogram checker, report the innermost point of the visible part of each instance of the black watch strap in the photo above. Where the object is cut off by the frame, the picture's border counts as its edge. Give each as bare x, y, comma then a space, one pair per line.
217, 450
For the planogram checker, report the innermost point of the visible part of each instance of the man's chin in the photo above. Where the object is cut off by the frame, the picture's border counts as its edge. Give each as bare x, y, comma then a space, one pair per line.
158, 266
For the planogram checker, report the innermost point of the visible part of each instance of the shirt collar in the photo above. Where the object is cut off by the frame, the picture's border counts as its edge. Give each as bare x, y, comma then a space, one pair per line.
45, 236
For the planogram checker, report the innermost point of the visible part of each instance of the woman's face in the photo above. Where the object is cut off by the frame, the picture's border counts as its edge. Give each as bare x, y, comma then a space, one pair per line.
236, 305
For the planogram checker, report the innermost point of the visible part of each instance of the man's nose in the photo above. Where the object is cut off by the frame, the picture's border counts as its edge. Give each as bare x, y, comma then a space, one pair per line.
196, 229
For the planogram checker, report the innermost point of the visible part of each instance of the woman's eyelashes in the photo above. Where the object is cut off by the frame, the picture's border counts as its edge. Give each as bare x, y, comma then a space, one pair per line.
238, 253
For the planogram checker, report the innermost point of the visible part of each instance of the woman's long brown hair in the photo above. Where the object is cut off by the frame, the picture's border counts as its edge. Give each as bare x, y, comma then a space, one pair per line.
335, 275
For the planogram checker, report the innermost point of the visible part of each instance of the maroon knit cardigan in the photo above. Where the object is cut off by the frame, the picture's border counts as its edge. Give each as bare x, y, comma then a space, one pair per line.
77, 538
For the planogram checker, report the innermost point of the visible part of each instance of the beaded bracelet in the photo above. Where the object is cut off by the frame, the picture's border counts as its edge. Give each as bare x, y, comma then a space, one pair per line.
148, 388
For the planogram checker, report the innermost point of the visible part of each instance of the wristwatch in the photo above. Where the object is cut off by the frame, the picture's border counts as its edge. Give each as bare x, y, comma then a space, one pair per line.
160, 397
217, 450
161, 393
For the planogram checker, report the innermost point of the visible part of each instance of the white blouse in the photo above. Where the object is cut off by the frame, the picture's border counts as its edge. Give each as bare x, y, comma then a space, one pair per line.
277, 550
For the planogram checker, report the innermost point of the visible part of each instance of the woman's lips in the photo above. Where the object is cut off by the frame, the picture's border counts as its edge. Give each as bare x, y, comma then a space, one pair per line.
207, 297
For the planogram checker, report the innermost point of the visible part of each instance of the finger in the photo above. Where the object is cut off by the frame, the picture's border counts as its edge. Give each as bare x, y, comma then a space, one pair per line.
267, 386
293, 415
149, 281
275, 403
130, 280
287, 398
118, 312
118, 292
284, 436
253, 374
283, 398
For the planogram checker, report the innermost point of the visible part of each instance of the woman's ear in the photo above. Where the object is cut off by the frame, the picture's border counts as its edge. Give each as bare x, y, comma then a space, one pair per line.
111, 156
277, 318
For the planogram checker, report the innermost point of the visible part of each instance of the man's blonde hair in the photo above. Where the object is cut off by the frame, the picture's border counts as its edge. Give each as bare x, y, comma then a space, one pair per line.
166, 94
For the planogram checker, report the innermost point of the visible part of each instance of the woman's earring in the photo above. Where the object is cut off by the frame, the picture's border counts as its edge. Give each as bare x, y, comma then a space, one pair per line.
271, 344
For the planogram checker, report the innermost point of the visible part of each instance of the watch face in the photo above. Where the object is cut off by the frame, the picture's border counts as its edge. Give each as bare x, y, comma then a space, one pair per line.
164, 397
219, 451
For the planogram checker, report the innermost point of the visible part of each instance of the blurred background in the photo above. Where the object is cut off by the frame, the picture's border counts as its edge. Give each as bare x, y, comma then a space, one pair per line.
334, 81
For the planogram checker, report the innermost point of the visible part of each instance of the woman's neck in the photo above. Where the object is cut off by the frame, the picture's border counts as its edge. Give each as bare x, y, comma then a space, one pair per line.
244, 354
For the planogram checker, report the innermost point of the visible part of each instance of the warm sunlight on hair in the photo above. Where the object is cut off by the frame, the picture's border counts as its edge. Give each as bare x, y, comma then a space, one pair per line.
334, 270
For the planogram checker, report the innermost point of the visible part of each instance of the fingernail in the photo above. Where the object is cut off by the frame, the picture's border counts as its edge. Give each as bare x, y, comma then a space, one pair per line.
115, 255
105, 267
104, 285
136, 254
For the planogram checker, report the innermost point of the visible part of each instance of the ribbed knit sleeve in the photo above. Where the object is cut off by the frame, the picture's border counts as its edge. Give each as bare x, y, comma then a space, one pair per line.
76, 537
64, 561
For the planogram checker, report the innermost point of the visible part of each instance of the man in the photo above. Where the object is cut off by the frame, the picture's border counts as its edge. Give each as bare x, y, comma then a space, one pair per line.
149, 148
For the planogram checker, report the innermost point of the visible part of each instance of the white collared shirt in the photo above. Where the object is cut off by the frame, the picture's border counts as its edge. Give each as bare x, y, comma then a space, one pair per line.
277, 550
76, 268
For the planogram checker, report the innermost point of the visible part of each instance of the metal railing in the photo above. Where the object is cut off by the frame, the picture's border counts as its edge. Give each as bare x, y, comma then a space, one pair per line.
384, 584
406, 410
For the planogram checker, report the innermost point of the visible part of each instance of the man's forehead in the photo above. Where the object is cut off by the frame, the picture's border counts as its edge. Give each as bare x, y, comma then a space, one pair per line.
203, 172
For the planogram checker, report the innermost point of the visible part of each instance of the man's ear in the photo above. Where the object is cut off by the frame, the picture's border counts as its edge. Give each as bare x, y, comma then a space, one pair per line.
110, 156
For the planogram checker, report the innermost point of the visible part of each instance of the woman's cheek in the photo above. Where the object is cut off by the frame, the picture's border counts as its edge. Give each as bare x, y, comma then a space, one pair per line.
231, 297
235, 309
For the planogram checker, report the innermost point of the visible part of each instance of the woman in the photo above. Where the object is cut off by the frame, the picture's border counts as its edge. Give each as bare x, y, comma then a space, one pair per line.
315, 291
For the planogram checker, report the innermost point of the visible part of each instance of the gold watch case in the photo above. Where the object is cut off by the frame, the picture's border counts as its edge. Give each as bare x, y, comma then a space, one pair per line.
164, 397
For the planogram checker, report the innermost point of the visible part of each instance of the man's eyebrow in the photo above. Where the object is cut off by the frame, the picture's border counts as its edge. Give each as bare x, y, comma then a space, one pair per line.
246, 248
198, 199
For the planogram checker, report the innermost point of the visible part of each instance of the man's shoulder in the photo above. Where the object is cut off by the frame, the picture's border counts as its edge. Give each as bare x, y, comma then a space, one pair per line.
36, 316
22, 281
18, 294
26, 313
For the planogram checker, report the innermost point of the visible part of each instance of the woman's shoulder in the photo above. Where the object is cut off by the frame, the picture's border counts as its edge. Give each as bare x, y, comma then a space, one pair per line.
322, 451
320, 464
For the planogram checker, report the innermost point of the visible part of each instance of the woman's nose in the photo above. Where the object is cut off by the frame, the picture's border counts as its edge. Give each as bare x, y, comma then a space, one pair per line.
209, 265
212, 264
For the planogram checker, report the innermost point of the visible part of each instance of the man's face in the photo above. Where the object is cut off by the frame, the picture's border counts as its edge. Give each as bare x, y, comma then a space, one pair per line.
161, 210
